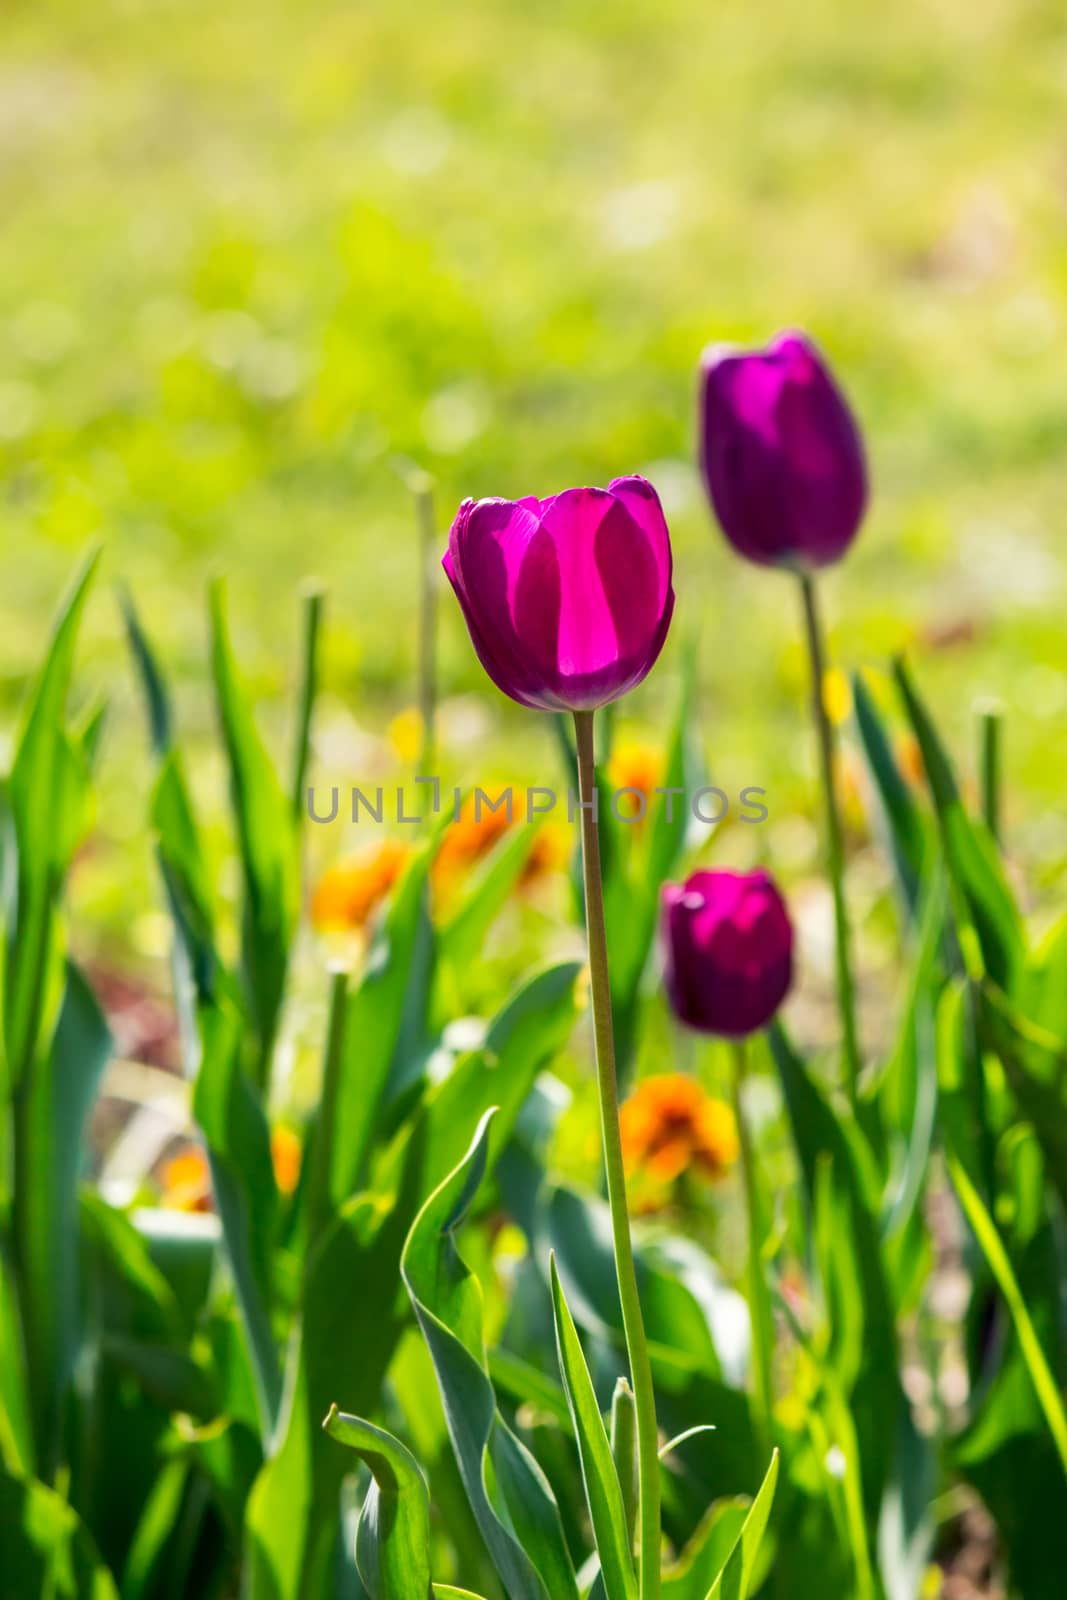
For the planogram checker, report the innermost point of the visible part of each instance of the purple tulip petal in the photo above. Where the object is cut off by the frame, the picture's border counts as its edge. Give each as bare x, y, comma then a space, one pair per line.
568, 600
729, 951
781, 453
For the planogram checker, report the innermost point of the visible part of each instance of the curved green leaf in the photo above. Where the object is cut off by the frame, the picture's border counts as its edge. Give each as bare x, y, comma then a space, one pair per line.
602, 1490
734, 1581
509, 1495
996, 1255
393, 1541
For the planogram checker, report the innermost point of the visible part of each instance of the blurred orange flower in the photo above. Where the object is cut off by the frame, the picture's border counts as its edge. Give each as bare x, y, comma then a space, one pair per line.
187, 1181
348, 894
669, 1125
910, 759
286, 1153
469, 838
550, 851
636, 766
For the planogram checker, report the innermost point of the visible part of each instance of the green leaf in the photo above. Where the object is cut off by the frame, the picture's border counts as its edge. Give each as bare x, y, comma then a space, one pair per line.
843, 1206
231, 1117
267, 840
16, 1430
509, 1495
602, 1491
734, 1581
46, 1549
375, 1017
52, 1109
314, 602
393, 1542
987, 917
155, 1529
523, 1038
905, 829
707, 1552
351, 1316
1035, 1065
46, 795
992, 1246
157, 697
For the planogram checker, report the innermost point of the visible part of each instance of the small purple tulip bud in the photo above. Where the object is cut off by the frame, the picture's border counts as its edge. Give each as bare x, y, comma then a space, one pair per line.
729, 945
781, 453
568, 600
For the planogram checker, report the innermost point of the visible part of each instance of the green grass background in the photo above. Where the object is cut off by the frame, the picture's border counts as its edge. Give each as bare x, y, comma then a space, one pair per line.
253, 253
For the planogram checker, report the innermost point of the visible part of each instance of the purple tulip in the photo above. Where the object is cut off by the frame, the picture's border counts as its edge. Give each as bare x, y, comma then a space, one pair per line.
781, 453
729, 951
568, 600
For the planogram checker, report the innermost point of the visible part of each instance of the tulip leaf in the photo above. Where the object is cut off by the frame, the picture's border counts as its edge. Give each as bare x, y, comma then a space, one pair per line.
231, 1117
992, 1246
350, 1320
157, 696
53, 1104
47, 1550
508, 1494
986, 914
603, 1493
706, 1552
836, 1167
393, 1540
375, 1017
46, 795
523, 1038
267, 845
735, 1580
16, 1430
904, 823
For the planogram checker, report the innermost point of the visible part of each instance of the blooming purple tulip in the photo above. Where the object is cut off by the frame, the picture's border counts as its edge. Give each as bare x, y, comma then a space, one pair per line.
568, 600
729, 951
781, 453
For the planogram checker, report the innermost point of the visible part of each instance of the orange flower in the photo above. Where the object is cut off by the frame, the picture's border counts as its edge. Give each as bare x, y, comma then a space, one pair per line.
469, 838
348, 894
550, 851
187, 1181
636, 766
910, 760
286, 1153
669, 1125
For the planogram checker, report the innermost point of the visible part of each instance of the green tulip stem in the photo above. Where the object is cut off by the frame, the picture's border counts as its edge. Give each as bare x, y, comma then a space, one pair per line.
835, 855
758, 1298
607, 1083
990, 726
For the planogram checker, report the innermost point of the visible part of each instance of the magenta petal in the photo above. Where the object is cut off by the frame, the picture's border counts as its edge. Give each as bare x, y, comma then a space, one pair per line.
568, 600
781, 453
729, 950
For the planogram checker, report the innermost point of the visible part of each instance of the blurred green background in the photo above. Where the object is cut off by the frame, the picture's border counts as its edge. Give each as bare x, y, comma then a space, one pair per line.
255, 253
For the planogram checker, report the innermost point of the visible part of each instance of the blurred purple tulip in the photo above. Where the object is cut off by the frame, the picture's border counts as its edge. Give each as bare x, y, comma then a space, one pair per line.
568, 600
729, 946
781, 453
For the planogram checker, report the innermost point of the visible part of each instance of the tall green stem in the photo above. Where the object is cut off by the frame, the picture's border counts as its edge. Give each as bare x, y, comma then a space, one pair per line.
758, 1298
607, 1082
835, 855
990, 724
